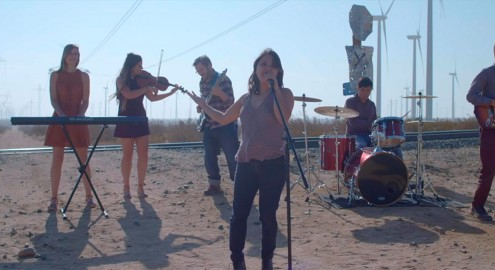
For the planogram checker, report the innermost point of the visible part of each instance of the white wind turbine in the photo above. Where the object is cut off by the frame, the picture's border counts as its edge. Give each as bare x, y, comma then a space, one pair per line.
454, 75
378, 82
415, 39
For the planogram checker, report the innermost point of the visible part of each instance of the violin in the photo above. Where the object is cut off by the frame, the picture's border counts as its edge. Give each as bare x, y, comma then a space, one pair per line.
146, 79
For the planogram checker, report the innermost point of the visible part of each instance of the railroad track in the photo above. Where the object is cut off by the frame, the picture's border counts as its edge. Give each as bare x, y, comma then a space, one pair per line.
313, 142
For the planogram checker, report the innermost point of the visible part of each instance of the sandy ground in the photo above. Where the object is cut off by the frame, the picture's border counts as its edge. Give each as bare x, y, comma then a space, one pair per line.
178, 228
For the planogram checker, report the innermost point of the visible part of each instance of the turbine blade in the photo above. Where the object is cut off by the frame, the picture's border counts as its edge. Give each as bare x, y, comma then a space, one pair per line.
457, 80
443, 9
421, 53
388, 10
380, 3
386, 43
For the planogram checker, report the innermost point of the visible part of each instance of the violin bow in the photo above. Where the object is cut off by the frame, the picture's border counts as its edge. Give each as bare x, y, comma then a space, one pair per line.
159, 67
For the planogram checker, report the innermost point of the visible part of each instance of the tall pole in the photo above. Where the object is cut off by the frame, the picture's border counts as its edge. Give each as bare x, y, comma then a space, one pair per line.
429, 62
413, 100
407, 104
39, 98
105, 99
378, 81
453, 76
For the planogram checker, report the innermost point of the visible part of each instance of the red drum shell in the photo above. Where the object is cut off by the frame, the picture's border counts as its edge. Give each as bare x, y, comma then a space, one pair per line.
346, 146
388, 132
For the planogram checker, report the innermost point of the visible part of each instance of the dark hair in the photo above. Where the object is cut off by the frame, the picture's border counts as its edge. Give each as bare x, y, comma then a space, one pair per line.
66, 52
365, 82
254, 82
130, 61
204, 60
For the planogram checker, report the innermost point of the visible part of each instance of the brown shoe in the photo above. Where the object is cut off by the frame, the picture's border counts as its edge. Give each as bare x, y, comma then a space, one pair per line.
213, 190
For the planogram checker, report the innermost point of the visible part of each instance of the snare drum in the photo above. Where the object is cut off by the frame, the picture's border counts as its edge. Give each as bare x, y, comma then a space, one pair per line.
346, 146
388, 132
380, 177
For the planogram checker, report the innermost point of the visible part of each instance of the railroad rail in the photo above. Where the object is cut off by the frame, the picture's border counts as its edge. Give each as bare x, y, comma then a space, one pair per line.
313, 142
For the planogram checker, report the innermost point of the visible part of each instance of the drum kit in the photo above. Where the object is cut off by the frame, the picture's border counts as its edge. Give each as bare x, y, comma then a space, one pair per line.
374, 174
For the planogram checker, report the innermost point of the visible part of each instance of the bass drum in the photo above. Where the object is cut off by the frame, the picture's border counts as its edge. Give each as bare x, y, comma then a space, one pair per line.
380, 177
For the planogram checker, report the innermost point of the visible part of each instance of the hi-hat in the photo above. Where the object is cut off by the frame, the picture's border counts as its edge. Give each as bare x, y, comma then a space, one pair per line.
334, 111
307, 99
420, 96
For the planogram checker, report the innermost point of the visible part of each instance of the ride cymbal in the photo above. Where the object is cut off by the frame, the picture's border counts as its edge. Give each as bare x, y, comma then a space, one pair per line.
420, 96
306, 99
335, 111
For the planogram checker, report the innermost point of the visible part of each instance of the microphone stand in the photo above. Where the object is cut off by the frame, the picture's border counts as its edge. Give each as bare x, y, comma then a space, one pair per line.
288, 141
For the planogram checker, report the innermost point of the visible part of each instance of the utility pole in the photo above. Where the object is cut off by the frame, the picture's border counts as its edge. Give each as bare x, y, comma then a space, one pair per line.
39, 89
407, 104
453, 74
105, 99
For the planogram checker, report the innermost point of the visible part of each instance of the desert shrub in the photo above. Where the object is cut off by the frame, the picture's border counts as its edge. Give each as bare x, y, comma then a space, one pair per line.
170, 131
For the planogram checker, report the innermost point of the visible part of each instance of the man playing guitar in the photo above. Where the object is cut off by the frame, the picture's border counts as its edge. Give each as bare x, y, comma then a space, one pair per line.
482, 95
217, 90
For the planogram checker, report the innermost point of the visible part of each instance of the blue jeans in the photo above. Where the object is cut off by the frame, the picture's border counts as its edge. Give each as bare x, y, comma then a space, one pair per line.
225, 138
362, 140
268, 177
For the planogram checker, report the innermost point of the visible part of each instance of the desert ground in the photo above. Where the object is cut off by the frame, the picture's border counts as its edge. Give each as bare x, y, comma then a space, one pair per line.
177, 227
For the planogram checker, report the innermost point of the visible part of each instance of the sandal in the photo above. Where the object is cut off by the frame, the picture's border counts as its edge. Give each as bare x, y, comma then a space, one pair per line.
53, 205
89, 202
127, 192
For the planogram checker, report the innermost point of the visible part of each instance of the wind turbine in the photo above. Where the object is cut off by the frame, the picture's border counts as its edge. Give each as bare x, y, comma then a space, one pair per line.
454, 75
378, 82
415, 39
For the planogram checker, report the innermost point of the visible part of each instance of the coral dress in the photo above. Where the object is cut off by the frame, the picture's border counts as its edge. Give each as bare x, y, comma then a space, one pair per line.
69, 94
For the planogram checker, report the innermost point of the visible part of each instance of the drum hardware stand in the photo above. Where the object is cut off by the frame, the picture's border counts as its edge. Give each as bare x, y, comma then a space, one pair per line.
422, 182
309, 169
335, 129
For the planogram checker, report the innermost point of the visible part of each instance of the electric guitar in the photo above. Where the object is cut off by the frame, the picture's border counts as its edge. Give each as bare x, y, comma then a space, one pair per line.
485, 116
203, 117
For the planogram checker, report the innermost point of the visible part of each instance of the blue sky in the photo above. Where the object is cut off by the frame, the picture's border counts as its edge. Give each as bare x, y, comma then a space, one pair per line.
310, 36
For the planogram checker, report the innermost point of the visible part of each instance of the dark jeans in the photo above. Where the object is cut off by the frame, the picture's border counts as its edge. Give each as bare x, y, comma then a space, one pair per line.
268, 177
362, 140
487, 156
224, 138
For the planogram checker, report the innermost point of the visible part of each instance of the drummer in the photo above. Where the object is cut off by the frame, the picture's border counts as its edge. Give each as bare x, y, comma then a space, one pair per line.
360, 126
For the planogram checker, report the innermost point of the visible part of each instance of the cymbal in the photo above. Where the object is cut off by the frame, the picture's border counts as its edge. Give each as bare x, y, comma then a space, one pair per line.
423, 121
420, 96
307, 99
333, 111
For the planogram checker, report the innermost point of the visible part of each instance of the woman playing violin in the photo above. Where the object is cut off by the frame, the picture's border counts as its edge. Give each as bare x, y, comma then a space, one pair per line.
131, 90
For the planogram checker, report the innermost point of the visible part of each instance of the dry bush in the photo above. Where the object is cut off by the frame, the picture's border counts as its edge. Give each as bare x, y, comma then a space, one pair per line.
4, 126
174, 131
166, 131
444, 124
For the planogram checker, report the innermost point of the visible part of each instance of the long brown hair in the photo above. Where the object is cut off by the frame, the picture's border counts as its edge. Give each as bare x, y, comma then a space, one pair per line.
254, 82
66, 52
125, 73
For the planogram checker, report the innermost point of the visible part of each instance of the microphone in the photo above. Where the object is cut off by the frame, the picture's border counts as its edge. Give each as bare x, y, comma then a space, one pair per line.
271, 82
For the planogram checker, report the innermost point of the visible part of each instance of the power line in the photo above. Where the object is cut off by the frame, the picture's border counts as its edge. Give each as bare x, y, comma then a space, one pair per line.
225, 31
114, 29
